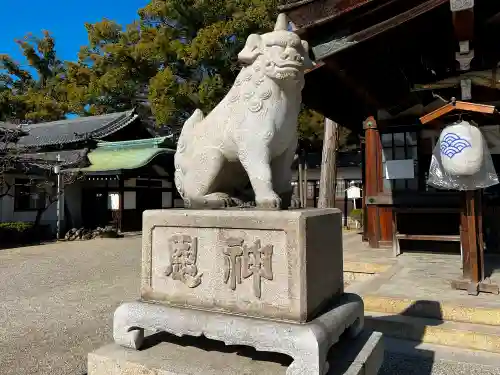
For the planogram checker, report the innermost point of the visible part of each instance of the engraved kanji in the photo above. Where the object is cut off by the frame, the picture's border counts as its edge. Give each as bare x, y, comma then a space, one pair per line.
183, 256
243, 261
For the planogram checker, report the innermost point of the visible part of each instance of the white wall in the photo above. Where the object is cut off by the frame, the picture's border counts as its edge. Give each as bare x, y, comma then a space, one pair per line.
73, 202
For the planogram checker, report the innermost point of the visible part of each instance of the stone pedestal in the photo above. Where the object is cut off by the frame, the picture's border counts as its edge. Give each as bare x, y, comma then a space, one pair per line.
308, 344
284, 265
187, 355
271, 280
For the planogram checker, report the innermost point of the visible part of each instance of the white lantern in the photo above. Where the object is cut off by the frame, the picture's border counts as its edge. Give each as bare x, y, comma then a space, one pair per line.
461, 147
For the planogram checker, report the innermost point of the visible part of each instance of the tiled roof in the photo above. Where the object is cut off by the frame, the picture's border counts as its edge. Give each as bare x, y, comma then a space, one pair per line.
67, 131
115, 156
47, 160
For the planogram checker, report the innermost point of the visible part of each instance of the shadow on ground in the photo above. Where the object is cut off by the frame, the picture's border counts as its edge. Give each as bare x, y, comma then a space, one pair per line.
209, 345
402, 354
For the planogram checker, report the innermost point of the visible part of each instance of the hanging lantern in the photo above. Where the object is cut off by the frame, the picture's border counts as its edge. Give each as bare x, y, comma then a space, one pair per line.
462, 149
461, 160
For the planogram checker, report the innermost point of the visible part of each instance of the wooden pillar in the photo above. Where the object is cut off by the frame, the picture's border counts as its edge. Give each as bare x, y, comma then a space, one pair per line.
468, 237
328, 177
373, 169
363, 192
471, 238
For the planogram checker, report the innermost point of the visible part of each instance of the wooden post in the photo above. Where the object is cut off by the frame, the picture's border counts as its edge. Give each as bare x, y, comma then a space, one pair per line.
373, 172
363, 191
471, 238
328, 176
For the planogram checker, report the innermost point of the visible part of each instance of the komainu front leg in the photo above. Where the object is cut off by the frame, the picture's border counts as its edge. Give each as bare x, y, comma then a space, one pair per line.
209, 201
198, 181
255, 160
281, 168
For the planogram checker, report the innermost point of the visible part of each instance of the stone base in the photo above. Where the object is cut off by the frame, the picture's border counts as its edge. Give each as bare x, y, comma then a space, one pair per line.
196, 356
308, 344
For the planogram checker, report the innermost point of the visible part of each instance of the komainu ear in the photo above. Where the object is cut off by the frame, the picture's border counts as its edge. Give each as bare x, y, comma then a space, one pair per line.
252, 49
308, 63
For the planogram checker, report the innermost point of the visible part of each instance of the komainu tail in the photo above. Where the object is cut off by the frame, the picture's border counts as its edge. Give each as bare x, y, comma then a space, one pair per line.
181, 155
191, 122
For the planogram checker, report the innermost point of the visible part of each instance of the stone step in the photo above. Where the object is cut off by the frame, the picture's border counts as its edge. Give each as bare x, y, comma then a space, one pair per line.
434, 331
453, 312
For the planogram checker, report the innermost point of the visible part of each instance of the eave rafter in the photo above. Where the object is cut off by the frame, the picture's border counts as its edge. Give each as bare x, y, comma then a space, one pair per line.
307, 13
324, 50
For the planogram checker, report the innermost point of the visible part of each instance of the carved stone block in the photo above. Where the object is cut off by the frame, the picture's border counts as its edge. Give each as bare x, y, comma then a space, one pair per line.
284, 265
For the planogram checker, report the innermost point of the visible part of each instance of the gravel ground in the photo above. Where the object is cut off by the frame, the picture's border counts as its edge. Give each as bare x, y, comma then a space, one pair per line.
58, 301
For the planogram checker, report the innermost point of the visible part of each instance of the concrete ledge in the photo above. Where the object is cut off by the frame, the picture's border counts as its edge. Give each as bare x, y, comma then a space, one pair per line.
433, 331
363, 356
432, 309
189, 355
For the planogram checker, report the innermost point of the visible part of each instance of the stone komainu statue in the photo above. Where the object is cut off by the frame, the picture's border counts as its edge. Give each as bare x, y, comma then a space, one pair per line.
251, 135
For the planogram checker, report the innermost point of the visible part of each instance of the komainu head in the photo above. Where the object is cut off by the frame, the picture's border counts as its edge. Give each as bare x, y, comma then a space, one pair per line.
281, 54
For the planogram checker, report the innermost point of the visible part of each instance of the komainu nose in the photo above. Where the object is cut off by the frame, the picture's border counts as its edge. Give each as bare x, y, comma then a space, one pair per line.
291, 55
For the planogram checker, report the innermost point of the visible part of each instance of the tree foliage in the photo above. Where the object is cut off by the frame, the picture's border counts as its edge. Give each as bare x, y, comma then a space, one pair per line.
25, 97
178, 56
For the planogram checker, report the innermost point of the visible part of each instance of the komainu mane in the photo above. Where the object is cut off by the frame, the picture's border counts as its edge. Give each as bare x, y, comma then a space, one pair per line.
251, 135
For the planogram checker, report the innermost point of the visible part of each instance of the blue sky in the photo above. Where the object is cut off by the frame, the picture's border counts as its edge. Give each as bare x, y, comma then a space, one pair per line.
63, 18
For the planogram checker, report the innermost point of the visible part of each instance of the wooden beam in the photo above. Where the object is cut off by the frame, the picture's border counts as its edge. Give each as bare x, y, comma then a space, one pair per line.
327, 49
292, 4
356, 17
458, 105
494, 19
305, 13
316, 66
472, 107
352, 84
484, 78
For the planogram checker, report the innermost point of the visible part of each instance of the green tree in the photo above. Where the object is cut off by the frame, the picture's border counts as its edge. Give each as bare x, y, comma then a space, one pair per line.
311, 131
179, 56
39, 97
